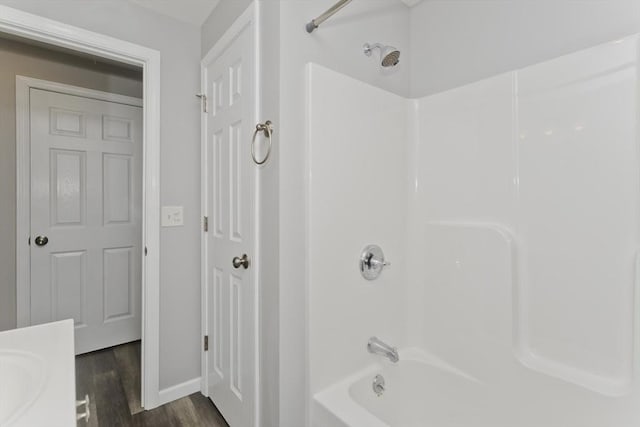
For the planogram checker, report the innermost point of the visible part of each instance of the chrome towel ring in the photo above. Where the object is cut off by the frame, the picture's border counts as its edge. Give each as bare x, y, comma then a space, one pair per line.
267, 129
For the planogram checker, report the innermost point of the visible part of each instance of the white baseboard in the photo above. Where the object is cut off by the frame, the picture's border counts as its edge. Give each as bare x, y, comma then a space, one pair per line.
178, 391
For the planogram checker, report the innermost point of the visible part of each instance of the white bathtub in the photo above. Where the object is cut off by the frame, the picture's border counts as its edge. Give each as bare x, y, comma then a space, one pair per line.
423, 391
420, 390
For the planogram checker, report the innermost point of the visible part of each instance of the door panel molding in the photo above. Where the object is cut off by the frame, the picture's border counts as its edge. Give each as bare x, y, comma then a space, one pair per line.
227, 224
23, 174
30, 26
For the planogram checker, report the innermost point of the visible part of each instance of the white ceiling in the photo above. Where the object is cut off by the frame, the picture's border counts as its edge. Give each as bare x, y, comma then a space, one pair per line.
411, 2
191, 11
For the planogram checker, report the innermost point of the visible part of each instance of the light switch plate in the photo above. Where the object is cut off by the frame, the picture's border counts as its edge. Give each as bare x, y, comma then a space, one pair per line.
172, 216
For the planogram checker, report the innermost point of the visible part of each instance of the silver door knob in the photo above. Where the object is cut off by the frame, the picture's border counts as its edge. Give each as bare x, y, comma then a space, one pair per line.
42, 240
242, 261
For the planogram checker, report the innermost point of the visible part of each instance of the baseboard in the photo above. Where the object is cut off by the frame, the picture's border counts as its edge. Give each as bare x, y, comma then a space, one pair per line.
178, 391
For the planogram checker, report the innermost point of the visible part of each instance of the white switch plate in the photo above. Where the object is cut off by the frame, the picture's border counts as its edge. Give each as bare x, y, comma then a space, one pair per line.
172, 216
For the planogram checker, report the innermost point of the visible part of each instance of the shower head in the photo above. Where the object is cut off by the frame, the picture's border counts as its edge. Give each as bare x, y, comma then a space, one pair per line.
389, 55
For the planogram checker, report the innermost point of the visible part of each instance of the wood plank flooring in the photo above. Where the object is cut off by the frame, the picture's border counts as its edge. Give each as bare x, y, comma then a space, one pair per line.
111, 378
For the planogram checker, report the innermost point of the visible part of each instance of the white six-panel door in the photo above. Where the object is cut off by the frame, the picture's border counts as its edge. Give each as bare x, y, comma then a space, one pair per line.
86, 180
231, 292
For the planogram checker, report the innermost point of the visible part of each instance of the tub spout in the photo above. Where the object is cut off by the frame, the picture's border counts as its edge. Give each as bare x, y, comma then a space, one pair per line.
376, 346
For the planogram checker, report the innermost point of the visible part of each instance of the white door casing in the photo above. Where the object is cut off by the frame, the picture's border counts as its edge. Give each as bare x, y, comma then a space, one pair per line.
229, 201
86, 175
34, 27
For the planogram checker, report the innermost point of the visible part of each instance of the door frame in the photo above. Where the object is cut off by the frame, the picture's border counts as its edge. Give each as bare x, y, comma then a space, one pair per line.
23, 176
34, 27
248, 18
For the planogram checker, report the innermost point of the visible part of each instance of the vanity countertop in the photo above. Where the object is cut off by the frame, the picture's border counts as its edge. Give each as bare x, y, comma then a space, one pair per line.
37, 376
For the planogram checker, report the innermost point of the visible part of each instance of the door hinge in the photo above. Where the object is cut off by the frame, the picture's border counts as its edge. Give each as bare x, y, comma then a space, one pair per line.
205, 223
206, 343
203, 98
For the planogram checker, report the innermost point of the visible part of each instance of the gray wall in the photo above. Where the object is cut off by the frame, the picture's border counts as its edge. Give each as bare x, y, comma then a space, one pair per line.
179, 46
269, 221
458, 42
224, 14
25, 60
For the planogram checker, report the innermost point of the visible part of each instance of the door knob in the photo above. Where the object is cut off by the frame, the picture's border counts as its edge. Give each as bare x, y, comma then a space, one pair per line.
242, 261
42, 240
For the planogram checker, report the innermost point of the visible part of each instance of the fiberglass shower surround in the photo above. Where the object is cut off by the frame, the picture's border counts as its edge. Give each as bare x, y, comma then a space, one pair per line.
510, 210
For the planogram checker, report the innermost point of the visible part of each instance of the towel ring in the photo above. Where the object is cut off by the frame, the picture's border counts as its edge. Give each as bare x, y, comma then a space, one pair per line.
267, 129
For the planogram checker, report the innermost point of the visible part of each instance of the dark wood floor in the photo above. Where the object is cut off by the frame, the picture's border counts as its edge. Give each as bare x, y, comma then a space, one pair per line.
111, 378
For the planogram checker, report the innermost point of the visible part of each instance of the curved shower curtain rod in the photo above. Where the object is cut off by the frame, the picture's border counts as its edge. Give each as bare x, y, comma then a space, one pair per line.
315, 23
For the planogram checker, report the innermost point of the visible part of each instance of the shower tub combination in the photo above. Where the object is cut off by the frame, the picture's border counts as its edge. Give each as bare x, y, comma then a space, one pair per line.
509, 209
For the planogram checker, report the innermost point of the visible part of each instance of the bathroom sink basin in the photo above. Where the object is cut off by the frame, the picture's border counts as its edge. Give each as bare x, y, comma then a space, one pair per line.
22, 379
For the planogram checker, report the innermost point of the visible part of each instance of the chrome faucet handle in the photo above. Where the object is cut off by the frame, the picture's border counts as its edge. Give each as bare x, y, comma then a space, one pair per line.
377, 262
372, 262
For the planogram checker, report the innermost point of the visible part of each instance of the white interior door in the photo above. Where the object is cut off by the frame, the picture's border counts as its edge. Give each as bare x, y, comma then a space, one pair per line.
86, 203
231, 292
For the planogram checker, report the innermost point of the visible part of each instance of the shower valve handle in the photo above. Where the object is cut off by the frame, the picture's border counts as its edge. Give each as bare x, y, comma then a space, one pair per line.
372, 262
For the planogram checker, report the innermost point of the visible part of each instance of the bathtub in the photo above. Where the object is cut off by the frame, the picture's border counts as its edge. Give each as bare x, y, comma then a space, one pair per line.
417, 379
424, 391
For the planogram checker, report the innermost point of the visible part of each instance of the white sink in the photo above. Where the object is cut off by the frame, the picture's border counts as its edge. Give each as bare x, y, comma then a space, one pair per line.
22, 379
37, 376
